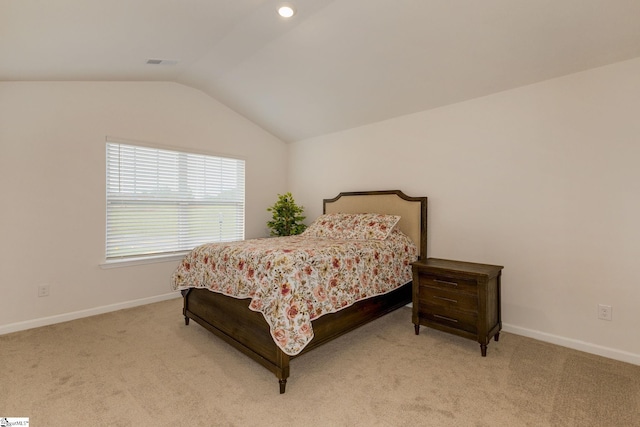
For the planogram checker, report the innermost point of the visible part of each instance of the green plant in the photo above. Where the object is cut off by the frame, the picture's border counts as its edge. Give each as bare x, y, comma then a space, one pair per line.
287, 217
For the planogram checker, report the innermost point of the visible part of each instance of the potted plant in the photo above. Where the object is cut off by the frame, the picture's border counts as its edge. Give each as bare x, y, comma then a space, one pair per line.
287, 217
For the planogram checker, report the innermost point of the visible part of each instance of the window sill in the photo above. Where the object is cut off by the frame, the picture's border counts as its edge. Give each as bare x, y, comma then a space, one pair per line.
130, 262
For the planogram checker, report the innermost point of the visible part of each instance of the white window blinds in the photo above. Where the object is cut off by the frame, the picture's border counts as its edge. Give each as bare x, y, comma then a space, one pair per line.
161, 201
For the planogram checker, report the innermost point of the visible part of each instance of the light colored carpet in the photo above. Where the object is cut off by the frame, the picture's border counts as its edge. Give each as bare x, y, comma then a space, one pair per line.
144, 367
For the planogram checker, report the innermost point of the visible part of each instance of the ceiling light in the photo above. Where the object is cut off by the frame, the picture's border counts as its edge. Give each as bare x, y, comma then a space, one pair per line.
286, 11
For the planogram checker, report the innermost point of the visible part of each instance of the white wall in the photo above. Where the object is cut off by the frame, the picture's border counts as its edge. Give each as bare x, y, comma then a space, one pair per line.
543, 179
52, 170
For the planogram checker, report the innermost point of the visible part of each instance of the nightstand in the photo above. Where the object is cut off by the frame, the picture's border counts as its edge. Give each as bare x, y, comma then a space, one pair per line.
462, 298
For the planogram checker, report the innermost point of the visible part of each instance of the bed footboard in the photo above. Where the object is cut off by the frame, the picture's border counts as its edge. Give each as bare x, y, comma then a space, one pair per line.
246, 330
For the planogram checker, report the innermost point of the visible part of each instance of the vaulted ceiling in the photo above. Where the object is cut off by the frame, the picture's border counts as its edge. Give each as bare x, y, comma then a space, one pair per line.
335, 65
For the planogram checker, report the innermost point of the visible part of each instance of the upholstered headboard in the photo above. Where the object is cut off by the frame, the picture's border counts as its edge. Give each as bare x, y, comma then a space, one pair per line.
412, 210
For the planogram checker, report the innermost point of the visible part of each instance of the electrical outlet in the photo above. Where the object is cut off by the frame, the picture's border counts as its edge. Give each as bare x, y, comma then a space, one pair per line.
43, 290
604, 312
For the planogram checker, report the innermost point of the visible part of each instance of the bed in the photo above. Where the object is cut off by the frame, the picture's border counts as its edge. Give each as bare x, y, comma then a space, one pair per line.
242, 321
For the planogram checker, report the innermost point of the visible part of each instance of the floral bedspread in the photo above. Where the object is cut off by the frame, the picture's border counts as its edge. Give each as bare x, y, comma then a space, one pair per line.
296, 279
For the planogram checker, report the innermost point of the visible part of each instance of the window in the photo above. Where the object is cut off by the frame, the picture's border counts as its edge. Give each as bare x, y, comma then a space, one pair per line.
163, 202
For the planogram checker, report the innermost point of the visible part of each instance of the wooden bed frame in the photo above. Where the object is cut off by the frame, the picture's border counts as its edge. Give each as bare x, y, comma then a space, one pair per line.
232, 320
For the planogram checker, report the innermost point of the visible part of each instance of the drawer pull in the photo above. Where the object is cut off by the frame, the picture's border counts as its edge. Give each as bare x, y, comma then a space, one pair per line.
445, 282
446, 299
445, 318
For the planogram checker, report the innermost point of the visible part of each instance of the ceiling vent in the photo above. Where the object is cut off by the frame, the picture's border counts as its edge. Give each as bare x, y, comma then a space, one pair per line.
162, 61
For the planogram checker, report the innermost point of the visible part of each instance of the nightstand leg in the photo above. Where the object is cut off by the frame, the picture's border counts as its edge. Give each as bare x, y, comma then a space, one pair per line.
417, 329
483, 350
496, 336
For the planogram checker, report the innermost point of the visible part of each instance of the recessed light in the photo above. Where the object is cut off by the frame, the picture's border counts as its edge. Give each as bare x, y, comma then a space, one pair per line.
286, 11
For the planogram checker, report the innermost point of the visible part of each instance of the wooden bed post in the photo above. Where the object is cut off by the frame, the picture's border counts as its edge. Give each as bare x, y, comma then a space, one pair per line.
283, 369
184, 293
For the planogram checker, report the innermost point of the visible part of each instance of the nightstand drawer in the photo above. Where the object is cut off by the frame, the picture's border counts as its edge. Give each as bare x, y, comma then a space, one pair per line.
439, 297
451, 283
464, 321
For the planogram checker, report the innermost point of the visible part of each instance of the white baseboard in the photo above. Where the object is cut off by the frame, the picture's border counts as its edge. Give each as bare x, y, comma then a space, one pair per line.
44, 321
599, 350
610, 353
